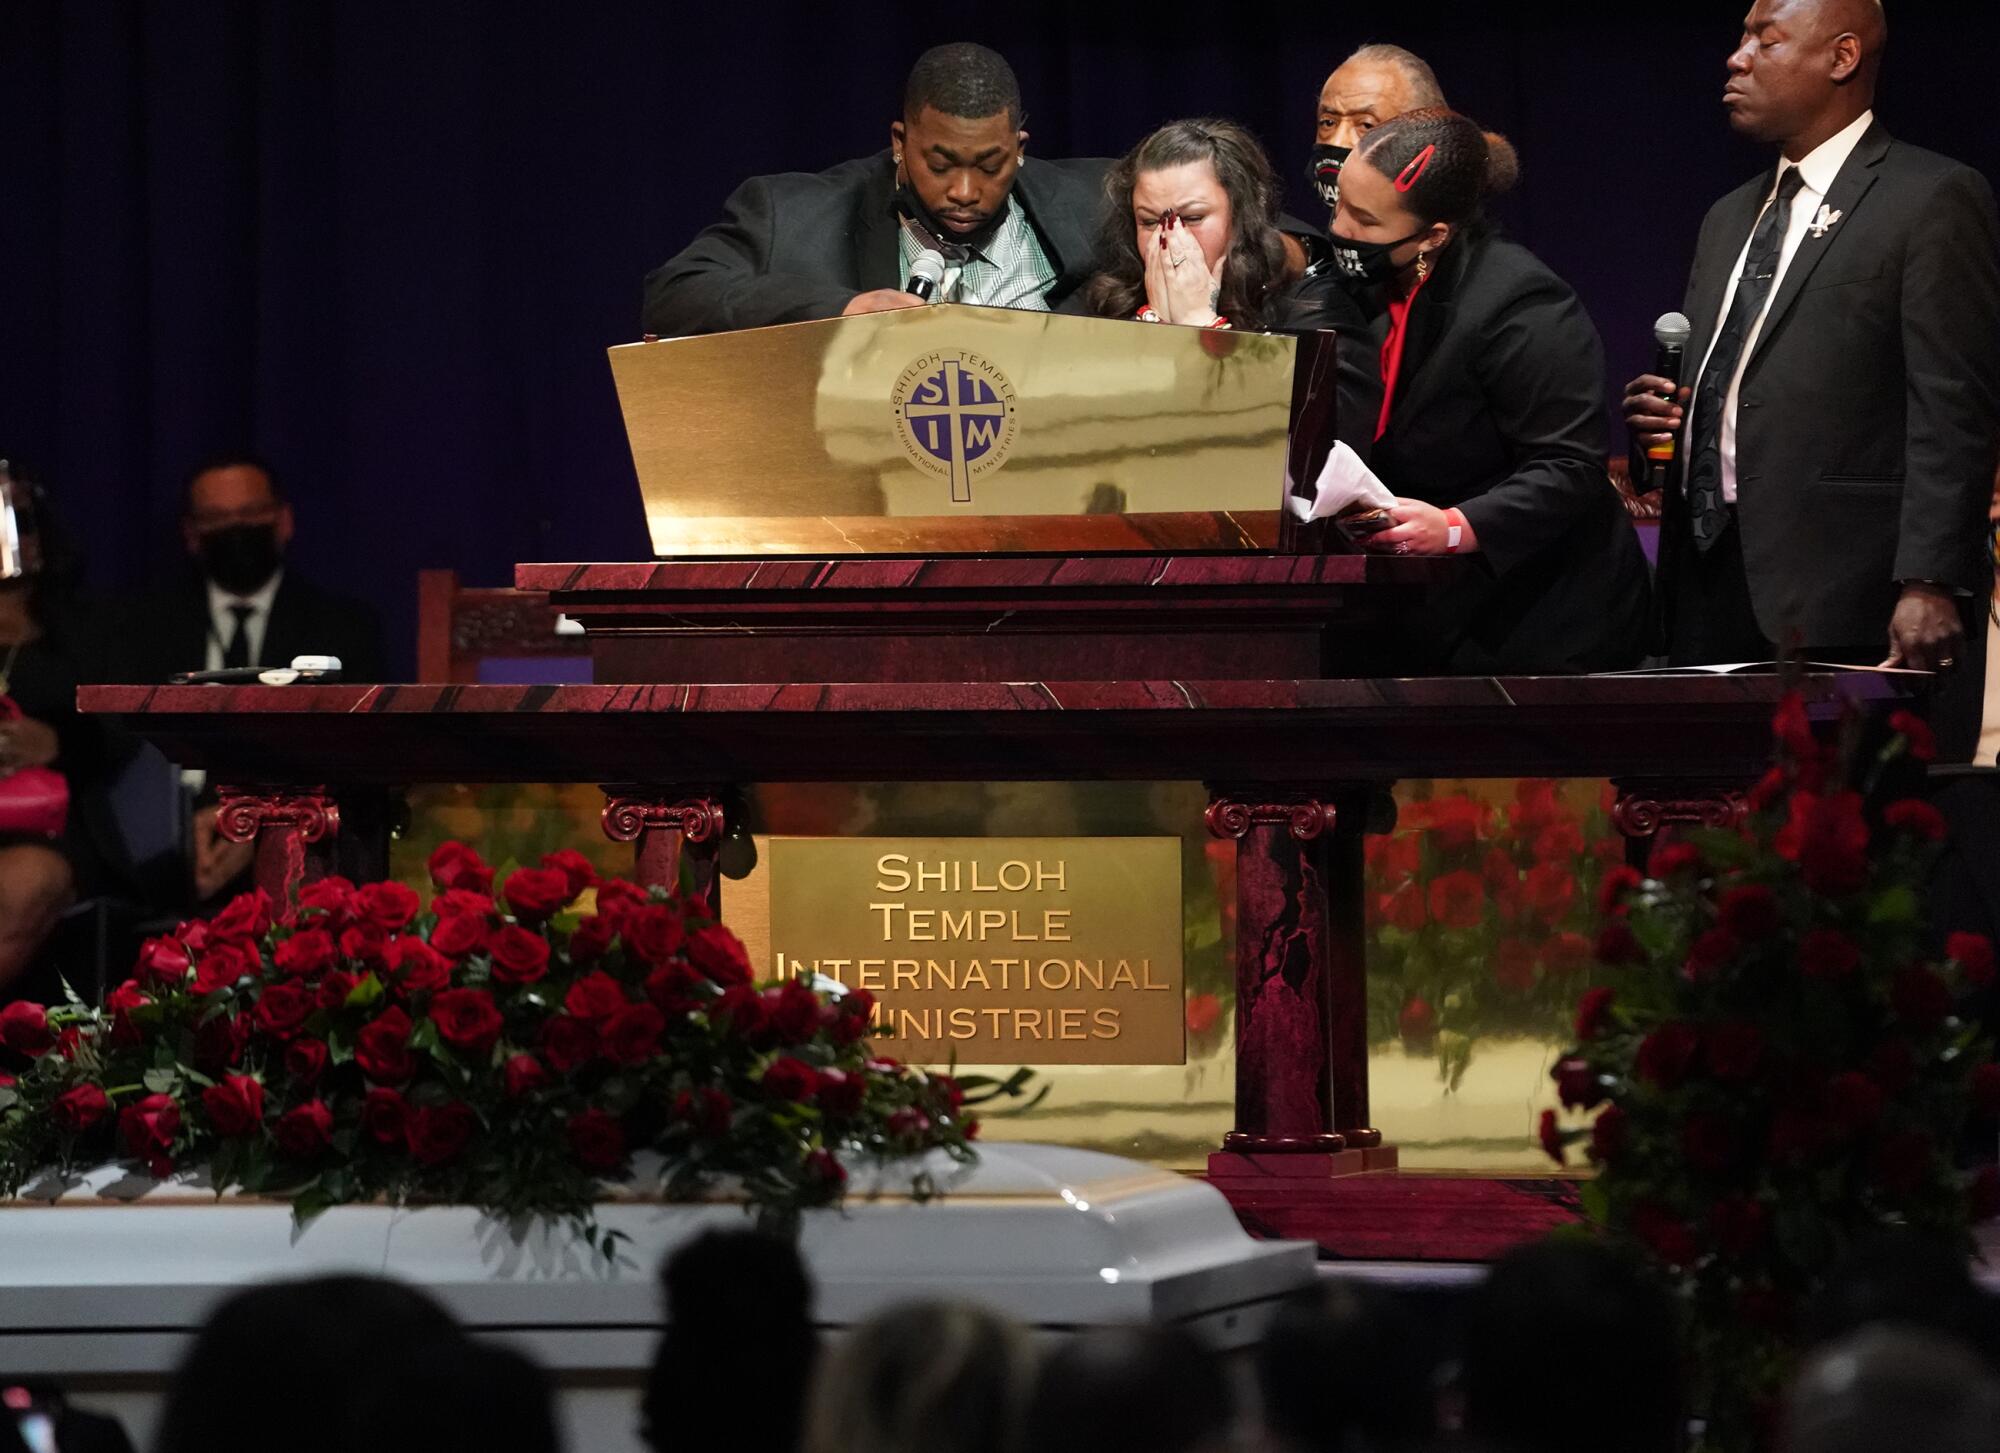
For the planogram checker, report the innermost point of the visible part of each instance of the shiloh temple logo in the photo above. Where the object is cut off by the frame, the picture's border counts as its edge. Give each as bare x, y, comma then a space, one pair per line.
955, 415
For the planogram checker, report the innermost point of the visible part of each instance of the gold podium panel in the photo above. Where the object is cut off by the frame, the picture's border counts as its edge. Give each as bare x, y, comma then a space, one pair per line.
955, 429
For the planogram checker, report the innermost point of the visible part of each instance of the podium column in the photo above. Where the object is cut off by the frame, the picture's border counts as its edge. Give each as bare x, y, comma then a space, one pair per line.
294, 830
662, 823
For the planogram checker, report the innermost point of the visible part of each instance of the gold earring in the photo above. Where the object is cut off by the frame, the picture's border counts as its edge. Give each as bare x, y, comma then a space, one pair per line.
1423, 266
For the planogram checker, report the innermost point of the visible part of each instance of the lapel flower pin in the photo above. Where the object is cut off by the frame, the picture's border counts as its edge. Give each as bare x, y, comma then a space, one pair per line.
1823, 223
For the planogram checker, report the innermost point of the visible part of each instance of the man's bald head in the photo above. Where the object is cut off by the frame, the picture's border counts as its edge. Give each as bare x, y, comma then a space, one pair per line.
1804, 70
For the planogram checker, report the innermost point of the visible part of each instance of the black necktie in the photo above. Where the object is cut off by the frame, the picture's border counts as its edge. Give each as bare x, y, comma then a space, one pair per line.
1711, 396
236, 654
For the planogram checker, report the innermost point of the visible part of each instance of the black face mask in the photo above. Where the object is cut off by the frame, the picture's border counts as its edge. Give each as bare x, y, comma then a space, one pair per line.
1364, 264
240, 558
1323, 171
951, 242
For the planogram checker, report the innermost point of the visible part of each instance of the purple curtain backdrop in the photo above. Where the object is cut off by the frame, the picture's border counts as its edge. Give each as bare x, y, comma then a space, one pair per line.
387, 243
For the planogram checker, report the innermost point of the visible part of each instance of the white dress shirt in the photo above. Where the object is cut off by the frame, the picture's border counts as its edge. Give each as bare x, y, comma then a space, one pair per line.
1816, 175
222, 621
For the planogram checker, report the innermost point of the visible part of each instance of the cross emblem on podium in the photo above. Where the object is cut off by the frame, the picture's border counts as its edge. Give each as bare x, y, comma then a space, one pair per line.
956, 417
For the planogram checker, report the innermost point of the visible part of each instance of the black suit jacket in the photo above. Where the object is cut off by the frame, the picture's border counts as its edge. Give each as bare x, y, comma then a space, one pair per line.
1868, 418
169, 633
800, 245
1499, 411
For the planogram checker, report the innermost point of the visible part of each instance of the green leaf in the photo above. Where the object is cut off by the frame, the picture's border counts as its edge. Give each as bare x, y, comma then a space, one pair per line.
1896, 905
1595, 1200
365, 994
162, 1081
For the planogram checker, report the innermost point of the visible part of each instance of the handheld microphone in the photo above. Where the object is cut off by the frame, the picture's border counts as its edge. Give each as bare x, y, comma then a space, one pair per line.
303, 668
1671, 333
926, 274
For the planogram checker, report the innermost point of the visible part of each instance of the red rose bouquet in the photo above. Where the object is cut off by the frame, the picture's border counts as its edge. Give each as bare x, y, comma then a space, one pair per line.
361, 1045
1777, 1063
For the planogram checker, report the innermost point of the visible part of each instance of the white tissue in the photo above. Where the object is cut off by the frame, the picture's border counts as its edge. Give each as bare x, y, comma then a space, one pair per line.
1344, 481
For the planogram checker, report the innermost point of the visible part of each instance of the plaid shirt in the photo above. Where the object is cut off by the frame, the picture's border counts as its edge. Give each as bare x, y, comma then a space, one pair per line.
1008, 270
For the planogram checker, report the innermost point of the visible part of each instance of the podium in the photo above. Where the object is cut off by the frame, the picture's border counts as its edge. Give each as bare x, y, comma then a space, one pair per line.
886, 628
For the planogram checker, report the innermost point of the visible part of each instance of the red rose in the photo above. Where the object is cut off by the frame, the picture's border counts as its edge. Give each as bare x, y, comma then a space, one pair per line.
535, 894
1793, 728
459, 934
1829, 954
1607, 1134
1458, 900
854, 1011
366, 944
1769, 788
1593, 1013
1615, 885
1618, 944
79, 1107
524, 1075
224, 965
1750, 912
1917, 731
1901, 1160
1917, 818
1984, 1193
248, 916
520, 955
382, 1048
466, 1019
675, 989
1551, 1137
591, 939
1456, 822
1537, 803
908, 1123
1708, 1143
1735, 1049
24, 1028
569, 1043
709, 1111
438, 1133
148, 1128
1973, 953
655, 932
719, 954
235, 1106
218, 1042
632, 1035
456, 866
1854, 1100
283, 1007
596, 1140
332, 896
616, 898
742, 1007
1738, 1224
1666, 1055
594, 997
792, 1012
1986, 1090
1709, 955
304, 955
1579, 1086
1399, 855
1920, 997
385, 1115
841, 1093
419, 968
1559, 842
1671, 856
574, 866
1833, 845
1514, 965
1499, 870
389, 906
1199, 1014
306, 1060
163, 961
462, 903
1417, 1024
790, 1079
1893, 1065
1404, 908
827, 1171
335, 987
1665, 1233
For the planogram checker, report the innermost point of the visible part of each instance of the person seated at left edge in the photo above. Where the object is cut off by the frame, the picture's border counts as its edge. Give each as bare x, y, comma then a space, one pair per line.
956, 178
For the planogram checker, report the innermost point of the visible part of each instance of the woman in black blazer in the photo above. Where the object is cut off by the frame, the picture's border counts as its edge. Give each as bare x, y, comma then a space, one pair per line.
1489, 425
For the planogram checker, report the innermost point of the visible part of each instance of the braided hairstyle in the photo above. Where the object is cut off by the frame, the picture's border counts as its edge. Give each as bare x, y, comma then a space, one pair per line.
1254, 266
1442, 163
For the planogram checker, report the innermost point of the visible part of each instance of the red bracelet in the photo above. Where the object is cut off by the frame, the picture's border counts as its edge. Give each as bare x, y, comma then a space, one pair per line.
1455, 528
1146, 314
1221, 322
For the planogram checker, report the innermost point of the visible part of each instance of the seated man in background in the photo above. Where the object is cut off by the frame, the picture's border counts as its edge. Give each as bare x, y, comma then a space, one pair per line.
956, 179
239, 606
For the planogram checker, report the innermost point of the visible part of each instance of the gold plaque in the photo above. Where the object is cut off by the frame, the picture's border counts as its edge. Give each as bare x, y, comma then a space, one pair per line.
894, 432
993, 950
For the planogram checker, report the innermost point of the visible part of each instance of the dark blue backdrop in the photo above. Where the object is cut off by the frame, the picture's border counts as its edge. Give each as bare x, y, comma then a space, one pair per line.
387, 241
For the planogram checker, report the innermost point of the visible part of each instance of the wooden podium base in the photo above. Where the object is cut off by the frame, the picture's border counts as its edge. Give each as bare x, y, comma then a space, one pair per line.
1358, 1209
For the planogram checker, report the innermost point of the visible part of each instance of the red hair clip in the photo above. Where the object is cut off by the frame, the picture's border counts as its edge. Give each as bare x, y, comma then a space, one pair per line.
1415, 169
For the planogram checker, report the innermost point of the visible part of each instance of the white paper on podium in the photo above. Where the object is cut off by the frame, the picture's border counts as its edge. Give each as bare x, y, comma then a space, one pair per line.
1344, 482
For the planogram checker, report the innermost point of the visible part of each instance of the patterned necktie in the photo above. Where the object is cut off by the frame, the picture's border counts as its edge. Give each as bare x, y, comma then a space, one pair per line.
1753, 289
236, 654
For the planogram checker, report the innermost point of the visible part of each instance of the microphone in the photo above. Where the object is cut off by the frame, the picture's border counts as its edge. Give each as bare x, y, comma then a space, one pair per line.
1671, 333
926, 274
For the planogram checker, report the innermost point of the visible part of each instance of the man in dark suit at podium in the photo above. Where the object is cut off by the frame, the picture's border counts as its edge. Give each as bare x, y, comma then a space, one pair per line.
1840, 409
1013, 232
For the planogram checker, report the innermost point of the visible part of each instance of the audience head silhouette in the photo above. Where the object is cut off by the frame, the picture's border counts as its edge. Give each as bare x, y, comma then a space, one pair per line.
1130, 1390
925, 1377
